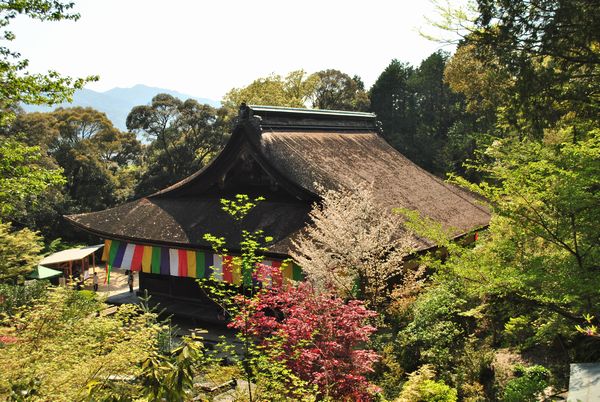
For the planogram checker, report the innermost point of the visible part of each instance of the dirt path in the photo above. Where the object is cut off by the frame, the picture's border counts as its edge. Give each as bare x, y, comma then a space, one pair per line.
118, 282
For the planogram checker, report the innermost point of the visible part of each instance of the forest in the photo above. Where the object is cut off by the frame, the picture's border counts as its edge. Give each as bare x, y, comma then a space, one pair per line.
512, 115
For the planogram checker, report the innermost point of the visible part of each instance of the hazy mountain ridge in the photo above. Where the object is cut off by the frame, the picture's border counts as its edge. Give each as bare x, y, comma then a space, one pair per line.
117, 102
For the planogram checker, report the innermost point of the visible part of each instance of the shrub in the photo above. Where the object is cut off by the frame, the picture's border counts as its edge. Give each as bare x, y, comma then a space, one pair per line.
14, 296
437, 329
528, 386
57, 346
421, 387
316, 336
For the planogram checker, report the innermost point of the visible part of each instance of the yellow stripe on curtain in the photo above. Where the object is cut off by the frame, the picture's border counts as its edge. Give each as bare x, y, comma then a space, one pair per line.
191, 263
236, 271
147, 259
106, 251
287, 270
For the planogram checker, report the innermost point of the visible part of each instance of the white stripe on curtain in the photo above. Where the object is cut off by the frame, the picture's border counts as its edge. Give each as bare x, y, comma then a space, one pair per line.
174, 261
218, 267
128, 256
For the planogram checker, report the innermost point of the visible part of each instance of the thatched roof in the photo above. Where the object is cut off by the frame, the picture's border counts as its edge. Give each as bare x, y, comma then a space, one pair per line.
290, 156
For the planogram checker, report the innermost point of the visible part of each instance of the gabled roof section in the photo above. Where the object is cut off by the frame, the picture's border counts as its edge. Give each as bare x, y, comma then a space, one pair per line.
290, 156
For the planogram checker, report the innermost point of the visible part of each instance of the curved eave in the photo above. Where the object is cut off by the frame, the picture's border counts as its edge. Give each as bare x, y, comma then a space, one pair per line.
214, 168
150, 242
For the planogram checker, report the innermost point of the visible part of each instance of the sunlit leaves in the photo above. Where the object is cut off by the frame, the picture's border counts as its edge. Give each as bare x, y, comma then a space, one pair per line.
20, 177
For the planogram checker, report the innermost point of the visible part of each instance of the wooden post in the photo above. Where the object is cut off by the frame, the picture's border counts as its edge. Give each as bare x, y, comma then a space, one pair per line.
94, 261
71, 270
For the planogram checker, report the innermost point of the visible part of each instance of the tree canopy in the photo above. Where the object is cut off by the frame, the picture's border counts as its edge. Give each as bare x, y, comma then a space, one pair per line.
327, 89
184, 137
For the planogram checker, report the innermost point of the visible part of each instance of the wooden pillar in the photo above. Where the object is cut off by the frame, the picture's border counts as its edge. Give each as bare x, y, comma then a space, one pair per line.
94, 261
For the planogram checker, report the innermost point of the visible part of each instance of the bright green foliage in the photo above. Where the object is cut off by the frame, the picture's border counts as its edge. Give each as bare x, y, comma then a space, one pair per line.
252, 247
18, 85
274, 380
531, 278
295, 90
528, 385
421, 387
21, 179
55, 347
544, 248
326, 89
238, 209
590, 328
437, 329
13, 297
19, 252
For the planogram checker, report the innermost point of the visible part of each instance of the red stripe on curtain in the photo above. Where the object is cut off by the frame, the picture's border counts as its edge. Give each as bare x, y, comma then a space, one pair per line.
183, 262
136, 260
278, 279
228, 269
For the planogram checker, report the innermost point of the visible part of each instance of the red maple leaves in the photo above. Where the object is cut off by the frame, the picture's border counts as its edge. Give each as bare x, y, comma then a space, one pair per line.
321, 335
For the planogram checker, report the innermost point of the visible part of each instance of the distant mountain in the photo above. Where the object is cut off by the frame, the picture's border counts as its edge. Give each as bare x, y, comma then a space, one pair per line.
118, 102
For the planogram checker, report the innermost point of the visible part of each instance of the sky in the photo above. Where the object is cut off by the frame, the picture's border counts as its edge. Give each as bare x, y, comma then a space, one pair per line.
206, 47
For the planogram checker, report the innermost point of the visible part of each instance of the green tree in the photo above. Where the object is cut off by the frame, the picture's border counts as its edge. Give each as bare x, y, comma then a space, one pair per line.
534, 63
184, 137
528, 386
393, 101
420, 113
336, 90
92, 154
567, 30
437, 109
100, 165
18, 85
22, 181
532, 277
546, 198
34, 129
19, 252
293, 90
421, 387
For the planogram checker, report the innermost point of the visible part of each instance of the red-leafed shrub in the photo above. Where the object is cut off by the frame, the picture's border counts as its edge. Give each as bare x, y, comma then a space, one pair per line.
321, 336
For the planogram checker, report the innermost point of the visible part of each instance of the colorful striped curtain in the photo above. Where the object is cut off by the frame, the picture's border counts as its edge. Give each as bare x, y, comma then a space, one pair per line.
184, 263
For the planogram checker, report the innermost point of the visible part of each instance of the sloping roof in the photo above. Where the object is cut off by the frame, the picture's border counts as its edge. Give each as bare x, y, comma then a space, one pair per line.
72, 254
181, 222
325, 160
301, 152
